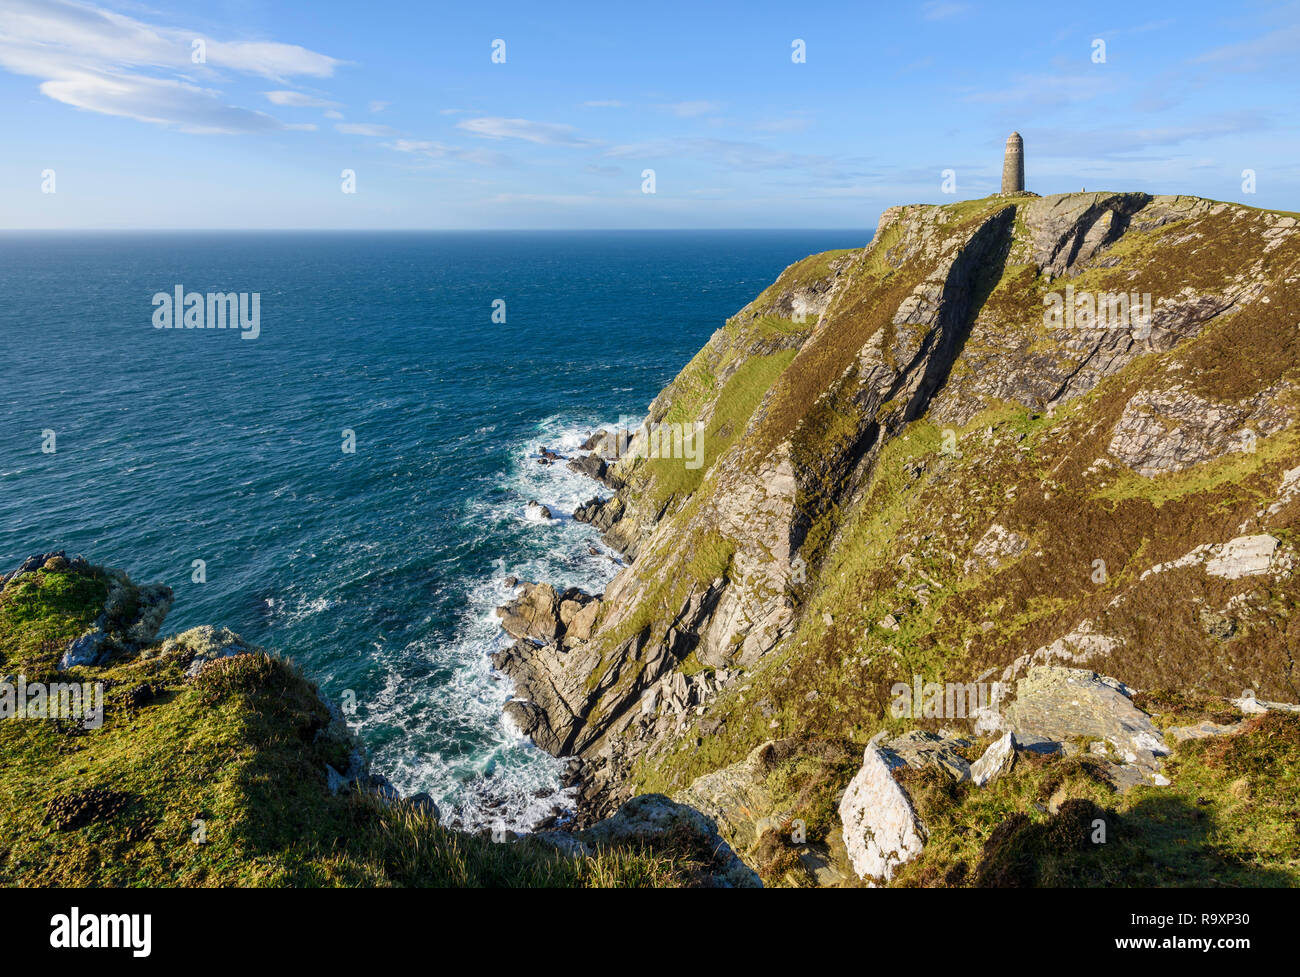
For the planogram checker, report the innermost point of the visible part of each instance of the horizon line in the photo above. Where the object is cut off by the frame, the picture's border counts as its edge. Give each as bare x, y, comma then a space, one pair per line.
402, 230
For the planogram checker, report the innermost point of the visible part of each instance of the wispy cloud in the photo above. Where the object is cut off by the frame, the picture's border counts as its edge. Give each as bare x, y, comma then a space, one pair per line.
1050, 90
943, 10
693, 109
1256, 54
299, 100
794, 123
604, 103
1125, 142
95, 59
541, 133
377, 106
732, 154
363, 129
432, 150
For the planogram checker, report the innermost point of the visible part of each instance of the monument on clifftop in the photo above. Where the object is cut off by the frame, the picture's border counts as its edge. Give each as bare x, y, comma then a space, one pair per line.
1013, 165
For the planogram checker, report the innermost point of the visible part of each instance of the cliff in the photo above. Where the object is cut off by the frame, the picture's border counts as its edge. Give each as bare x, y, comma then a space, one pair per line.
986, 576
962, 454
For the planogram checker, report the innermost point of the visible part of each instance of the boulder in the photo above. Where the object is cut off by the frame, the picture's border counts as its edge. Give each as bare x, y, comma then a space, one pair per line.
998, 759
534, 614
537, 512
880, 827
919, 749
583, 622
1063, 704
593, 466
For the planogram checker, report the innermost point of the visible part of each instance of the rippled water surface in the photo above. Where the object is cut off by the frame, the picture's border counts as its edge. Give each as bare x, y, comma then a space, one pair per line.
376, 571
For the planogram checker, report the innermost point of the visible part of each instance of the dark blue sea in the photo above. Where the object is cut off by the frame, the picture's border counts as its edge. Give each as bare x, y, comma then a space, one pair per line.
376, 571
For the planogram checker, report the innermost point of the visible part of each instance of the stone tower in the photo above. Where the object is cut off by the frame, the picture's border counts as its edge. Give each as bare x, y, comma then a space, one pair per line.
1013, 165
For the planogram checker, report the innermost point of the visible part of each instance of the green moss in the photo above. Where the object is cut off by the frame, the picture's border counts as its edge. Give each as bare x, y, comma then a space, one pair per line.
679, 477
42, 612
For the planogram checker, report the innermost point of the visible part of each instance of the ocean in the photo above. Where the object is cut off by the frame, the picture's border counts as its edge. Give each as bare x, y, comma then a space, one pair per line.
376, 570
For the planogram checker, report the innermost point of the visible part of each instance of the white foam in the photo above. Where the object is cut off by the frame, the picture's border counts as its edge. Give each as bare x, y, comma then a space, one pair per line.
510, 784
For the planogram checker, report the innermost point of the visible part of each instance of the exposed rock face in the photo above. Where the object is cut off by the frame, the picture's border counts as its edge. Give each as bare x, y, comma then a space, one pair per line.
1245, 556
1064, 704
996, 545
131, 618
881, 829
1242, 556
535, 614
919, 749
1171, 430
736, 797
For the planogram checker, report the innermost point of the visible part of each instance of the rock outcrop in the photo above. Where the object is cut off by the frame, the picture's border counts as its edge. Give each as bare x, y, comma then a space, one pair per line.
901, 457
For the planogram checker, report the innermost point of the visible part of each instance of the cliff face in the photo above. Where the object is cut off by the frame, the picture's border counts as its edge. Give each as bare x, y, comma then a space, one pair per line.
954, 454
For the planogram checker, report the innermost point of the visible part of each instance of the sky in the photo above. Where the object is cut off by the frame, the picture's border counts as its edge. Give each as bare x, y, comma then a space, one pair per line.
240, 114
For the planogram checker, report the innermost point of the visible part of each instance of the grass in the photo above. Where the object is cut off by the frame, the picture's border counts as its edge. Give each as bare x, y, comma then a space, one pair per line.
1228, 819
42, 612
729, 413
221, 781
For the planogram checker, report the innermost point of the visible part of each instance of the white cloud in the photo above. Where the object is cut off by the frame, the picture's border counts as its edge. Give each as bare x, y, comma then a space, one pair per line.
377, 106
96, 59
299, 100
161, 101
333, 114
542, 133
363, 129
440, 151
604, 103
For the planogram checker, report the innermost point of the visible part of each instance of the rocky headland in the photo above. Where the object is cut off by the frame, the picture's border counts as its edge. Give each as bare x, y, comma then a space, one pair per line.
986, 576
916, 472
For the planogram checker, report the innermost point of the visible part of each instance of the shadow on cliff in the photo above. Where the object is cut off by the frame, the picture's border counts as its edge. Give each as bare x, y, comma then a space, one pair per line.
970, 281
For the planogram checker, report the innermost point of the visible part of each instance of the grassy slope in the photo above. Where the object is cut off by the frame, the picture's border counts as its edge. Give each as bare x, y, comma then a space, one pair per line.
828, 686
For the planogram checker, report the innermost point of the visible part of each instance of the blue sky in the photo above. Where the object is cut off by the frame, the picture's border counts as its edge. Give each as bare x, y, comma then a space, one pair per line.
406, 94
